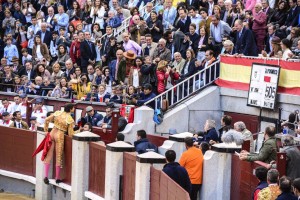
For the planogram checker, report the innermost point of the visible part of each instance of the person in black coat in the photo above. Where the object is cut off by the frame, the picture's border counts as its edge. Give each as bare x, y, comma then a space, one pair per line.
176, 172
88, 52
191, 38
210, 131
184, 22
292, 15
285, 185
244, 40
45, 35
189, 65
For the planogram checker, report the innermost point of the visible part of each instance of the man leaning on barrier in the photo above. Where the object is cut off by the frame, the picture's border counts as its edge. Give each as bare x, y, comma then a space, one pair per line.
63, 123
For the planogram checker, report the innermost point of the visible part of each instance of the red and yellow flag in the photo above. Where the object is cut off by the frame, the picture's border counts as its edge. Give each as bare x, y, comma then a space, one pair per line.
235, 73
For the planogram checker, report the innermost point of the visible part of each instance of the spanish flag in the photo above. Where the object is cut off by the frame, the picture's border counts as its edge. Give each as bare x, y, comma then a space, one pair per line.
235, 73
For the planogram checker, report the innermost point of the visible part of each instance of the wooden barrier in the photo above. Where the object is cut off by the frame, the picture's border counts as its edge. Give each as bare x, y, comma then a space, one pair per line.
156, 139
97, 168
17, 147
243, 180
162, 187
129, 168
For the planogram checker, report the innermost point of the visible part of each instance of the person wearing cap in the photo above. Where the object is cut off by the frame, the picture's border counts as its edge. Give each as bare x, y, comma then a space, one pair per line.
123, 70
63, 124
39, 111
18, 122
10, 50
5, 121
93, 117
61, 19
8, 23
33, 124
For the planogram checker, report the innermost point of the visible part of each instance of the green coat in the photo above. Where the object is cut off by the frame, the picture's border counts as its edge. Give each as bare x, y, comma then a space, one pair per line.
267, 152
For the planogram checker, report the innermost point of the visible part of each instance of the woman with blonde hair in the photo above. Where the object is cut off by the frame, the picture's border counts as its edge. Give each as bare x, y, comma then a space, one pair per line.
162, 73
56, 72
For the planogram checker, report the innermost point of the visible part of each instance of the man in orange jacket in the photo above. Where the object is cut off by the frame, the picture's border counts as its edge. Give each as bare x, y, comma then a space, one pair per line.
192, 161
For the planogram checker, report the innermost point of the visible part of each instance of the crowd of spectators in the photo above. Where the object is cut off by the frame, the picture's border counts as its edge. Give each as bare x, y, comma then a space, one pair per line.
67, 49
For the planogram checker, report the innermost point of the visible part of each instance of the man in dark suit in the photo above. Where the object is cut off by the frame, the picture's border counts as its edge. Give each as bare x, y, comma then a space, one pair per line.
17, 68
293, 13
44, 34
69, 70
194, 3
105, 44
184, 21
30, 73
244, 40
266, 9
88, 52
49, 19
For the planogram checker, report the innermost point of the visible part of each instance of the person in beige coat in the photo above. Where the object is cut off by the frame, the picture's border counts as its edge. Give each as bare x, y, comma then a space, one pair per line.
149, 47
18, 123
40, 50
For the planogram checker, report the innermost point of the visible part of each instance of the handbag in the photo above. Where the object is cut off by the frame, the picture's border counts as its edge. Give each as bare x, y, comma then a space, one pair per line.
24, 44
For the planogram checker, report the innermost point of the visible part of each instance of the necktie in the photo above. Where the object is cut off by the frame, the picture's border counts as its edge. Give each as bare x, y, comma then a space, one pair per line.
19, 125
147, 51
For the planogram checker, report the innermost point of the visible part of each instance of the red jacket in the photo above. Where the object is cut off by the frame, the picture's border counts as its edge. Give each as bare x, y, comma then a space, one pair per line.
161, 79
75, 51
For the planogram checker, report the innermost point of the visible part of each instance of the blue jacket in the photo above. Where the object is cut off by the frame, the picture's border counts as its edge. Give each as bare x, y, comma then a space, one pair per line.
114, 22
261, 185
145, 98
286, 196
178, 174
116, 99
95, 119
143, 144
211, 135
245, 43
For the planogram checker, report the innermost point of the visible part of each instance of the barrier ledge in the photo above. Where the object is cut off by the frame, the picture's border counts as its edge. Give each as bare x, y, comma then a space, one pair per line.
60, 185
226, 148
15, 175
91, 195
180, 136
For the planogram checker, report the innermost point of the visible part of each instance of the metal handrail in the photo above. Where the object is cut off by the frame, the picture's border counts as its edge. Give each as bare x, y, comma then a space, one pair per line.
188, 86
125, 23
